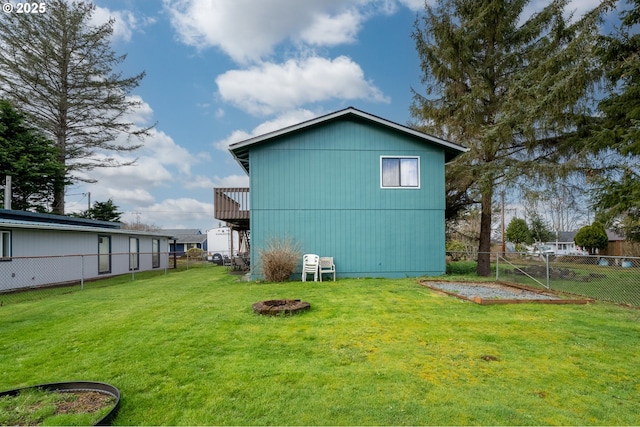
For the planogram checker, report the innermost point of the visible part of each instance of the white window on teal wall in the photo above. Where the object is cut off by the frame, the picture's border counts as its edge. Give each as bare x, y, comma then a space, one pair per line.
5, 245
399, 172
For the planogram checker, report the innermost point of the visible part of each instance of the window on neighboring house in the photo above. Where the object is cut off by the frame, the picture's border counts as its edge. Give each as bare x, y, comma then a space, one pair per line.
5, 245
134, 253
104, 254
155, 253
399, 172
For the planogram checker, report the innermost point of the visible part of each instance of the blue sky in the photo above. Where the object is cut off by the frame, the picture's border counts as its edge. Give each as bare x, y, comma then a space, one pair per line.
220, 71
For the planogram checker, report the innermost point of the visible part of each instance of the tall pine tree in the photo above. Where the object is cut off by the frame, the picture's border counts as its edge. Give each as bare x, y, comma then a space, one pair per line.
617, 195
511, 87
59, 67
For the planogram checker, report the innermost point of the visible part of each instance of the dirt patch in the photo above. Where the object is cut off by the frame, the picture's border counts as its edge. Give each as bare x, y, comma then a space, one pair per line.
86, 402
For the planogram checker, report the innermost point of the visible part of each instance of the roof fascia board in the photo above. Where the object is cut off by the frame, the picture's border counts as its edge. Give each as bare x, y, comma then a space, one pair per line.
42, 218
350, 110
241, 146
62, 227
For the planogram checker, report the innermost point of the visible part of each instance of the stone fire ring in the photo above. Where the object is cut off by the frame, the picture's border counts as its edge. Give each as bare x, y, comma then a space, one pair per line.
280, 306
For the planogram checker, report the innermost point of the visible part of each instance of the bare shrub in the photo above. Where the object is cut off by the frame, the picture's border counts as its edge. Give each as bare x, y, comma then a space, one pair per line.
195, 253
279, 258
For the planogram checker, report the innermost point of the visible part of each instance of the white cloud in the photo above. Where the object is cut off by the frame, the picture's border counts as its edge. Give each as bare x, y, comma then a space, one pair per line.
160, 149
288, 118
231, 181
236, 136
284, 120
248, 30
242, 29
576, 8
199, 181
126, 22
415, 5
333, 29
174, 213
136, 196
271, 88
142, 115
144, 173
158, 163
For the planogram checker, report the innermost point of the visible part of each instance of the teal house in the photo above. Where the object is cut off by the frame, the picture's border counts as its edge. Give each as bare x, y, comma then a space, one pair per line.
364, 190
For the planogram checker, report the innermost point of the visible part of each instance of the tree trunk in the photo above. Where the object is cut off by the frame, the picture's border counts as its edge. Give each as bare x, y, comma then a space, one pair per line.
59, 183
58, 198
484, 249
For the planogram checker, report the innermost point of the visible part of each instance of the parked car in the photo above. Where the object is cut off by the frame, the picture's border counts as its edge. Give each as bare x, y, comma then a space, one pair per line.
542, 250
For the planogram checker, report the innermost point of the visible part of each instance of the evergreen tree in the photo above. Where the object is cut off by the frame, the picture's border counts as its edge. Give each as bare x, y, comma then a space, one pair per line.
59, 67
540, 231
518, 232
617, 194
29, 158
592, 237
102, 211
511, 89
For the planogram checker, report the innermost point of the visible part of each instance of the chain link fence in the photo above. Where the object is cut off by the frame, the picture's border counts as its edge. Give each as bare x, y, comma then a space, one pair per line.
615, 279
606, 278
26, 278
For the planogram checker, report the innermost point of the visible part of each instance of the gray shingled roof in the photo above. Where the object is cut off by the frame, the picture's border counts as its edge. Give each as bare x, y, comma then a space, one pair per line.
186, 235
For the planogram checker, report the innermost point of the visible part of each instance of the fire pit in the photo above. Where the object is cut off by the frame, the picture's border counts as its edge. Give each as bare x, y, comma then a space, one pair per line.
280, 306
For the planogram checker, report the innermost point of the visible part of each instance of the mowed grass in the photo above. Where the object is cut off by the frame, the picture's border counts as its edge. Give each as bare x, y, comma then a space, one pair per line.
187, 349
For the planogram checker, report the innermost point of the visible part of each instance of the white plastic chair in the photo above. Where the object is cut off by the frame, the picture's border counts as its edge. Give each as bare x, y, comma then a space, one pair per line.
327, 266
310, 266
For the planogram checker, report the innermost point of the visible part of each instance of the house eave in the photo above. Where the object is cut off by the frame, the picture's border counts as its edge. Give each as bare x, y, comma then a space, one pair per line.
4, 223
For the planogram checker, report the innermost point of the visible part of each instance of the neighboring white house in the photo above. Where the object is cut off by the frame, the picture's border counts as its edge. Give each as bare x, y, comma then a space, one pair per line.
43, 249
565, 244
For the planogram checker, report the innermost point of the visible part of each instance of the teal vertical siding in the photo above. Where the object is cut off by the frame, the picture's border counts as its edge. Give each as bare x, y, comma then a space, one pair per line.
321, 187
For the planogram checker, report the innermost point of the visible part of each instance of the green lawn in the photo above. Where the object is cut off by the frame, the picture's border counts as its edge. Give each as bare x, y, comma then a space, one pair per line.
186, 349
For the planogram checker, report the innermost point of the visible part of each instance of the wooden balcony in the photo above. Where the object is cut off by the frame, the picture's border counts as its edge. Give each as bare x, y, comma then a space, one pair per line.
232, 205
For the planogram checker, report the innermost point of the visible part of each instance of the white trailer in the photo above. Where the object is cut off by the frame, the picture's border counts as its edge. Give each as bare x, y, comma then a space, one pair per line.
219, 244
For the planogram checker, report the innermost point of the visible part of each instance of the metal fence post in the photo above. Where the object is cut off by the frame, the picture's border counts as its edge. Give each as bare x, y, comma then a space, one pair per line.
81, 272
548, 278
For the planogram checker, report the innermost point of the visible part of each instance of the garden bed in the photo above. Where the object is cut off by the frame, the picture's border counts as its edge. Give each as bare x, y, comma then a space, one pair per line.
487, 293
70, 403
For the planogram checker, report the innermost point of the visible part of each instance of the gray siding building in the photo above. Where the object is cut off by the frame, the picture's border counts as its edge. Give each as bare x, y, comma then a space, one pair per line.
42, 249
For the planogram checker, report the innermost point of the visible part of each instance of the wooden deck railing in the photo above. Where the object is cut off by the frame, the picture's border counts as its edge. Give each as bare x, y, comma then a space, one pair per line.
232, 205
